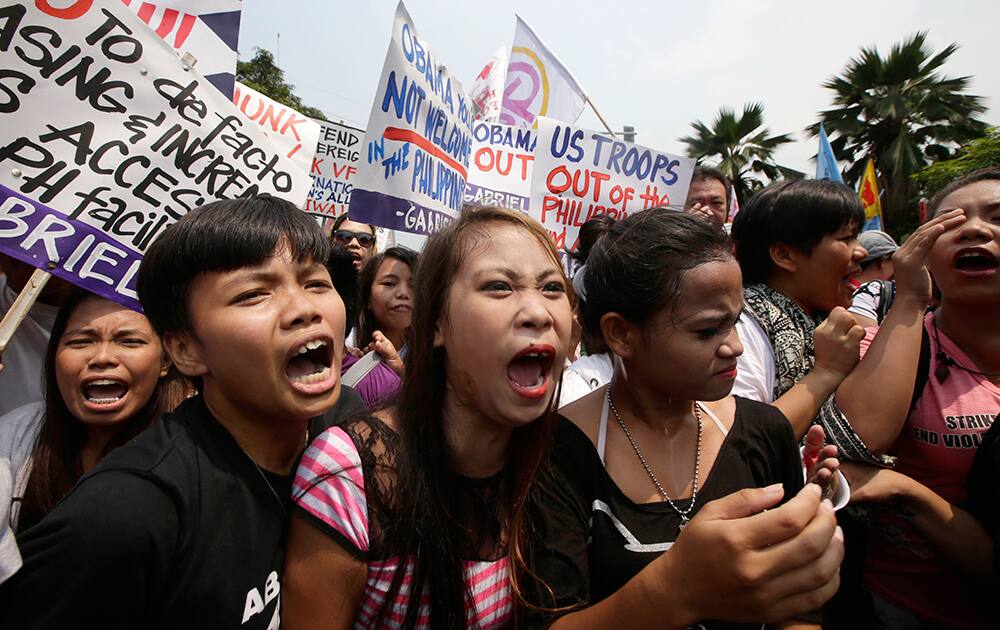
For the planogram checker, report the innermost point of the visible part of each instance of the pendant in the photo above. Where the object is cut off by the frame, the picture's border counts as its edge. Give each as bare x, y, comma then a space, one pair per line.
684, 522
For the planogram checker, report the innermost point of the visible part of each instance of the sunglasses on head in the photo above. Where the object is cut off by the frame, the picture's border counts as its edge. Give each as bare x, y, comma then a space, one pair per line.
365, 239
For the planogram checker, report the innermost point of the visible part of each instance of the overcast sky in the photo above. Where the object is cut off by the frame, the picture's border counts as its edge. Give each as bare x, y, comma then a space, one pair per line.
656, 65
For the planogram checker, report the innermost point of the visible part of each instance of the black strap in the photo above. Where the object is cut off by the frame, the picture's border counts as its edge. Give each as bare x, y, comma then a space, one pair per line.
923, 366
887, 295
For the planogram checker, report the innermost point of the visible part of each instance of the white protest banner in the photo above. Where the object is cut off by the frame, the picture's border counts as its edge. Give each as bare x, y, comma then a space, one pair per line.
537, 83
502, 160
208, 29
107, 138
292, 133
580, 174
487, 90
333, 169
415, 160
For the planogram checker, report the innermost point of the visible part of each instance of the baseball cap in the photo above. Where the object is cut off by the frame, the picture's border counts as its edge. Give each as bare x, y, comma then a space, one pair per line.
878, 245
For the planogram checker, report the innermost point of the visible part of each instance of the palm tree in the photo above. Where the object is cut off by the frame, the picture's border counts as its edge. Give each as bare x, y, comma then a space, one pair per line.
899, 111
742, 145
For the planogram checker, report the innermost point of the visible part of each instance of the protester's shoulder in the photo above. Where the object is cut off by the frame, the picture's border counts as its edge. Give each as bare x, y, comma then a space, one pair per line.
370, 439
20, 425
756, 418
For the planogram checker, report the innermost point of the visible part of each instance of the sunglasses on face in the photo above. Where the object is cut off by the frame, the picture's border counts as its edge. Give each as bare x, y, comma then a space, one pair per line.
365, 239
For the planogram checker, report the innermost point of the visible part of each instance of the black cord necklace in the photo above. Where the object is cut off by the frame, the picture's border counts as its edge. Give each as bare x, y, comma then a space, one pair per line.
945, 362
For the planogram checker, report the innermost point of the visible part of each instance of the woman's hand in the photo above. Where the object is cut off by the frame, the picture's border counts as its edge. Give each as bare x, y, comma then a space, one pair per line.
910, 260
381, 344
820, 461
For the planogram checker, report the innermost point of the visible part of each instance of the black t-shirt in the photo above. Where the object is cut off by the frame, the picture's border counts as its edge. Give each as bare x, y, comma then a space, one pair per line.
176, 529
983, 484
590, 538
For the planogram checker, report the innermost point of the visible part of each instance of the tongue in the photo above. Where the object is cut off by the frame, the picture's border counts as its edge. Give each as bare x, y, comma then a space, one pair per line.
302, 365
105, 391
526, 371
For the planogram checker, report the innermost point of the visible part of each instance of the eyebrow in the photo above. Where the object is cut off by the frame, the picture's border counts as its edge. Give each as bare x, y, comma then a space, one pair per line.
87, 330
514, 275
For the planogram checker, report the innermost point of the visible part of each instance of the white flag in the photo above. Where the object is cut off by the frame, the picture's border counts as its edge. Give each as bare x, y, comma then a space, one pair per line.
538, 84
487, 90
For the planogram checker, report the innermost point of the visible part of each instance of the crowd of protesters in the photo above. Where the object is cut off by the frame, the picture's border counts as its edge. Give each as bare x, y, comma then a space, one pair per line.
786, 421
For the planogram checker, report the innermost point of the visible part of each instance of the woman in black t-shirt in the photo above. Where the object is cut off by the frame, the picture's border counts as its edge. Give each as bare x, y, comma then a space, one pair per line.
640, 457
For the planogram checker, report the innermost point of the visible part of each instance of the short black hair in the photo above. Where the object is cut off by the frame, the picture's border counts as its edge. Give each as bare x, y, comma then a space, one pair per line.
703, 171
637, 268
796, 213
979, 175
220, 236
339, 221
590, 232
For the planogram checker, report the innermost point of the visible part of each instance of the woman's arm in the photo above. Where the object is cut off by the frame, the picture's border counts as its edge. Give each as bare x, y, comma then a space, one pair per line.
836, 341
765, 566
951, 530
876, 395
323, 584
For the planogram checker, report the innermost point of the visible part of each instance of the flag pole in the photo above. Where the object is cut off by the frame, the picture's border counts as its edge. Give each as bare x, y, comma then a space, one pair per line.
22, 304
601, 118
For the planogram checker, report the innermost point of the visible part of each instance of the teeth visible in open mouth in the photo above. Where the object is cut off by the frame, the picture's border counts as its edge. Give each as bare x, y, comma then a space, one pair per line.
96, 391
315, 377
310, 345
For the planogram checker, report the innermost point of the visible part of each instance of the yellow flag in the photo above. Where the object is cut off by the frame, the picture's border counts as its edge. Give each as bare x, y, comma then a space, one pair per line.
868, 191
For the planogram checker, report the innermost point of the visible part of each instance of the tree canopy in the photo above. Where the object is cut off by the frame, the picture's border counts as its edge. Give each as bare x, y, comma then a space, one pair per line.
263, 74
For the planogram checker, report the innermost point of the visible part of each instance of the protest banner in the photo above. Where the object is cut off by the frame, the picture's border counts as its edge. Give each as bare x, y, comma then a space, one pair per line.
333, 168
537, 83
108, 138
207, 29
486, 91
292, 133
415, 160
502, 161
580, 174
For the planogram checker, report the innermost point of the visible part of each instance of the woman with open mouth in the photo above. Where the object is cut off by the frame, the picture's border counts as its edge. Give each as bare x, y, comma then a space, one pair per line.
926, 392
357, 238
429, 514
383, 326
106, 379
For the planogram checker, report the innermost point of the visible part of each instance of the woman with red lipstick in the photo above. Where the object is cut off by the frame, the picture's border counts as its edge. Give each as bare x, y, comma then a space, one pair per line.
665, 437
104, 383
416, 518
927, 390
384, 323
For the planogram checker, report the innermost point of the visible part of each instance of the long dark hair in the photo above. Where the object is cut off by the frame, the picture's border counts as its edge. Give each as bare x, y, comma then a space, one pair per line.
366, 318
426, 526
56, 465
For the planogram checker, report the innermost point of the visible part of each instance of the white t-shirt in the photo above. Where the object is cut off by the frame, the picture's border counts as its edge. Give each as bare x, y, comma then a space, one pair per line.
584, 376
755, 367
21, 378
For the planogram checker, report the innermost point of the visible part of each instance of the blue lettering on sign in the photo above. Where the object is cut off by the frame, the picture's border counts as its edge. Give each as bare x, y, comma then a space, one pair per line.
571, 140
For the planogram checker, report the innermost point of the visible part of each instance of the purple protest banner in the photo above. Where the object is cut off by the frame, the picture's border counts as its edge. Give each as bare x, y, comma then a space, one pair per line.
38, 235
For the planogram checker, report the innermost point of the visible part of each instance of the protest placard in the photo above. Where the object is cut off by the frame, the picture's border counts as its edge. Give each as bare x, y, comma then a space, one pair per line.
415, 159
292, 133
207, 29
580, 174
108, 138
333, 169
502, 161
